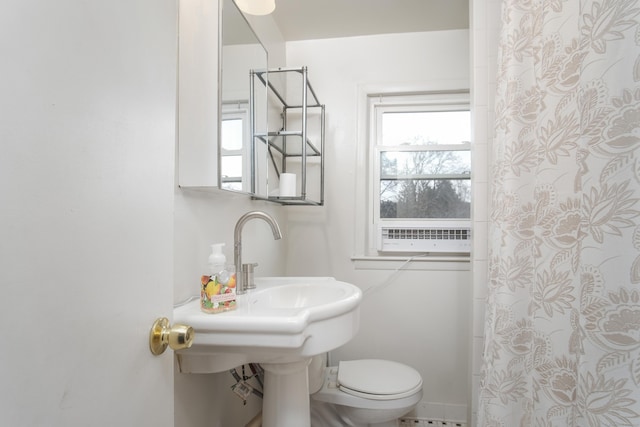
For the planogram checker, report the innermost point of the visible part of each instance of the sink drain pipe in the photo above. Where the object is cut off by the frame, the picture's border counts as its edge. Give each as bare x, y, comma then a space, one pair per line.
242, 388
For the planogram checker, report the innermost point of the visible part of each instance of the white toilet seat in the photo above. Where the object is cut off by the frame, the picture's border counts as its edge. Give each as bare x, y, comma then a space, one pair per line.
378, 379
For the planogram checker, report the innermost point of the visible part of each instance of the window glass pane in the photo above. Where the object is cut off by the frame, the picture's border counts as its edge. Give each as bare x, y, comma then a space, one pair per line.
232, 167
413, 198
432, 162
426, 127
231, 134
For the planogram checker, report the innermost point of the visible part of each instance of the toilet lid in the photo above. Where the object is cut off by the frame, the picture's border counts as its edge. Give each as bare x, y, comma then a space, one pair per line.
378, 379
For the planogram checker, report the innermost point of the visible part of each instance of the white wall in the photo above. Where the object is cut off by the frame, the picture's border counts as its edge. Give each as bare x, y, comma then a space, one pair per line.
421, 318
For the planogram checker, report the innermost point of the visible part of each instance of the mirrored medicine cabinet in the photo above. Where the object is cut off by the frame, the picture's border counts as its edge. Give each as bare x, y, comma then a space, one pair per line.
243, 127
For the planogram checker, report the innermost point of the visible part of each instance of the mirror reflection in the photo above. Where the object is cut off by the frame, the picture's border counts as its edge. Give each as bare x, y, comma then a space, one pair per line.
241, 51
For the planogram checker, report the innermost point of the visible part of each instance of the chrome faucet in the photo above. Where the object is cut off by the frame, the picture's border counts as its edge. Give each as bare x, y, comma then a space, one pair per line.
244, 277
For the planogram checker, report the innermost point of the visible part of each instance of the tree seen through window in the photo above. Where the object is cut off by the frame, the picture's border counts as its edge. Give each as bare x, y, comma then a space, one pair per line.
425, 184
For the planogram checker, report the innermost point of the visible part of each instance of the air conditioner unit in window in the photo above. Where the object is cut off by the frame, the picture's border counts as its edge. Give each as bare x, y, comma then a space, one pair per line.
445, 237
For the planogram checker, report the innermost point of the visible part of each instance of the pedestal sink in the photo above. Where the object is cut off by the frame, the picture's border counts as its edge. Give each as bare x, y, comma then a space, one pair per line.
281, 325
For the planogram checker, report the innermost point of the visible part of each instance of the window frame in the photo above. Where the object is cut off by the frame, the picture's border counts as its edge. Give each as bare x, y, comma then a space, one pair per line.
378, 104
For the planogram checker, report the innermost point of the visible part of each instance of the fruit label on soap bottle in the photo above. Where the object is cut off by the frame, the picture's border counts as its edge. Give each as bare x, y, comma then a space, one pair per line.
218, 295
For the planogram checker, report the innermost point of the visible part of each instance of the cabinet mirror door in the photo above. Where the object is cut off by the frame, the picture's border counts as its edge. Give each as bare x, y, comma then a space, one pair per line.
241, 51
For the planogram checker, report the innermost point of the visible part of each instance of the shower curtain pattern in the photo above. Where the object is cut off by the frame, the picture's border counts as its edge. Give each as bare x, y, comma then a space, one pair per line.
562, 333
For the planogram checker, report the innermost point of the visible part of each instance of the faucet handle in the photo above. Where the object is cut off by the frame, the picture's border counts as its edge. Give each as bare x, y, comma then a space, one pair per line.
247, 272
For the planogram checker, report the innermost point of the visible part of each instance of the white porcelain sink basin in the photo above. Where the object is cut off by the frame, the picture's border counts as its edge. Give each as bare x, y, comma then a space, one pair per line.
304, 294
284, 320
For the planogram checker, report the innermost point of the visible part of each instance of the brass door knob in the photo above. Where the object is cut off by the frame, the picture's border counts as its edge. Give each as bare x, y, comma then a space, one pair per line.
162, 334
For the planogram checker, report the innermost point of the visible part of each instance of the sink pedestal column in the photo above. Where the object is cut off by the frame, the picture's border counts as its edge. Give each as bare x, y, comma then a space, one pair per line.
286, 394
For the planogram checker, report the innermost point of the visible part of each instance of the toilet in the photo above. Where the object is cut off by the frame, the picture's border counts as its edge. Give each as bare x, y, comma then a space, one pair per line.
362, 393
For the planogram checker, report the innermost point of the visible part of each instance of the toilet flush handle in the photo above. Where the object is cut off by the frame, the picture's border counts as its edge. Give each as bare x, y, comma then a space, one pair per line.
163, 335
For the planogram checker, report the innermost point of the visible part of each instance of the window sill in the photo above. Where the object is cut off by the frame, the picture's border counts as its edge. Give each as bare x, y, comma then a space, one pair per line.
413, 262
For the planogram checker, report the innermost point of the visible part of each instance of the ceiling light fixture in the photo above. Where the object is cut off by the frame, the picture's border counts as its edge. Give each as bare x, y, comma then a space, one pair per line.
256, 7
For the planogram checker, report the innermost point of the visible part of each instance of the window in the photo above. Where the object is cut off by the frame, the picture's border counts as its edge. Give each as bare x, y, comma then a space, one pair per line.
234, 138
421, 172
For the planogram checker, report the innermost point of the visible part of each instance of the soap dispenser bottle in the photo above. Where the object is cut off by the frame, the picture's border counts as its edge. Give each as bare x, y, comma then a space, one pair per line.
217, 260
218, 291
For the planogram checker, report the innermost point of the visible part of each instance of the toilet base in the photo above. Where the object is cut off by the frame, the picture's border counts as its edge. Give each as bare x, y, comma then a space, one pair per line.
329, 415
326, 415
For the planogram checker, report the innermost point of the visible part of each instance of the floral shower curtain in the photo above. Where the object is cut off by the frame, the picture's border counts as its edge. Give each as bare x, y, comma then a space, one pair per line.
562, 331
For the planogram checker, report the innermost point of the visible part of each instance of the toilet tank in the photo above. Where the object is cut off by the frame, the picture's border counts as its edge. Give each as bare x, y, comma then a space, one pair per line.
316, 372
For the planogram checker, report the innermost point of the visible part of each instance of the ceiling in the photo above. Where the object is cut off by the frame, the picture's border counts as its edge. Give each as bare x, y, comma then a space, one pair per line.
320, 19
